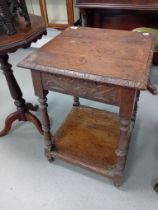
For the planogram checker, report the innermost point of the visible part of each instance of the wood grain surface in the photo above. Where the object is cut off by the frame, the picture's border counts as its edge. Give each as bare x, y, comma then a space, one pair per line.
95, 143
81, 88
109, 56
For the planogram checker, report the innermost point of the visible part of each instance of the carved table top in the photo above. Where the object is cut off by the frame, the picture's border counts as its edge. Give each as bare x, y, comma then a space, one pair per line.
24, 36
108, 56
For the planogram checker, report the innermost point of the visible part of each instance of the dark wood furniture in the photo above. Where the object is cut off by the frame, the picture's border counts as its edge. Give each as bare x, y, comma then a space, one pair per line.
9, 12
89, 66
120, 14
8, 44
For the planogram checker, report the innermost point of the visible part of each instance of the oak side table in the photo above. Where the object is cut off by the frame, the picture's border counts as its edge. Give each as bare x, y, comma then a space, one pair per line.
103, 65
8, 44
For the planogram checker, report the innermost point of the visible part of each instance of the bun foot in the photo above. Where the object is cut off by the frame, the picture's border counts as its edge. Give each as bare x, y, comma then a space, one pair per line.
48, 155
118, 180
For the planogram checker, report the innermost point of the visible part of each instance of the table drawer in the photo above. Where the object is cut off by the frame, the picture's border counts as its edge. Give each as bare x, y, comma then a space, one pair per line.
81, 88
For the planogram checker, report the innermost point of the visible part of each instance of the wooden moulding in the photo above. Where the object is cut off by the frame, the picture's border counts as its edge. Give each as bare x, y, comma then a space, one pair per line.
100, 62
118, 4
89, 138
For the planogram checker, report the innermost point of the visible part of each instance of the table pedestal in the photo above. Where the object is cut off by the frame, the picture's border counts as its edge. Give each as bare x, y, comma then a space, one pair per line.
22, 113
10, 44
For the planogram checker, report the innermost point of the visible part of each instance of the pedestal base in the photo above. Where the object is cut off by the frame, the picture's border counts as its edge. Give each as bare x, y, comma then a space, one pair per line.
26, 116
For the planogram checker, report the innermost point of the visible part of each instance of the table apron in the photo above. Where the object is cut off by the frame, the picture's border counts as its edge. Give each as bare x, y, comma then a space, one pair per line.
82, 88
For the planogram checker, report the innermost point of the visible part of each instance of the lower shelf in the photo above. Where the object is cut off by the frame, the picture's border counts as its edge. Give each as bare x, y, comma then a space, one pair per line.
89, 137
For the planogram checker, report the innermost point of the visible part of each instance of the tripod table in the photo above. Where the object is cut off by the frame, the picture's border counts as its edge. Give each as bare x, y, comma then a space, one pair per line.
9, 44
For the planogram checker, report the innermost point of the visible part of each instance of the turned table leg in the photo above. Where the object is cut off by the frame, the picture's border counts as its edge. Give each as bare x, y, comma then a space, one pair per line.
41, 94
76, 101
127, 104
122, 151
22, 113
46, 127
135, 106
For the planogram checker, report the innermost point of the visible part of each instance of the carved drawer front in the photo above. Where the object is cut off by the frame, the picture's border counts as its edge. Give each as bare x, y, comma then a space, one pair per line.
82, 88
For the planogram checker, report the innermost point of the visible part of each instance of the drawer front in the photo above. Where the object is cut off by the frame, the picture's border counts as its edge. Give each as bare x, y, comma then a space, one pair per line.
81, 88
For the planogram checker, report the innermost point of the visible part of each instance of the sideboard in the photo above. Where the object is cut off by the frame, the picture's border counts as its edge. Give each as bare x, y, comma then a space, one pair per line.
119, 14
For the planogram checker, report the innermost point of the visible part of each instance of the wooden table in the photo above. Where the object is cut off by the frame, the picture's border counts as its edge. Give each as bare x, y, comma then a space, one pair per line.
93, 64
119, 14
8, 44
